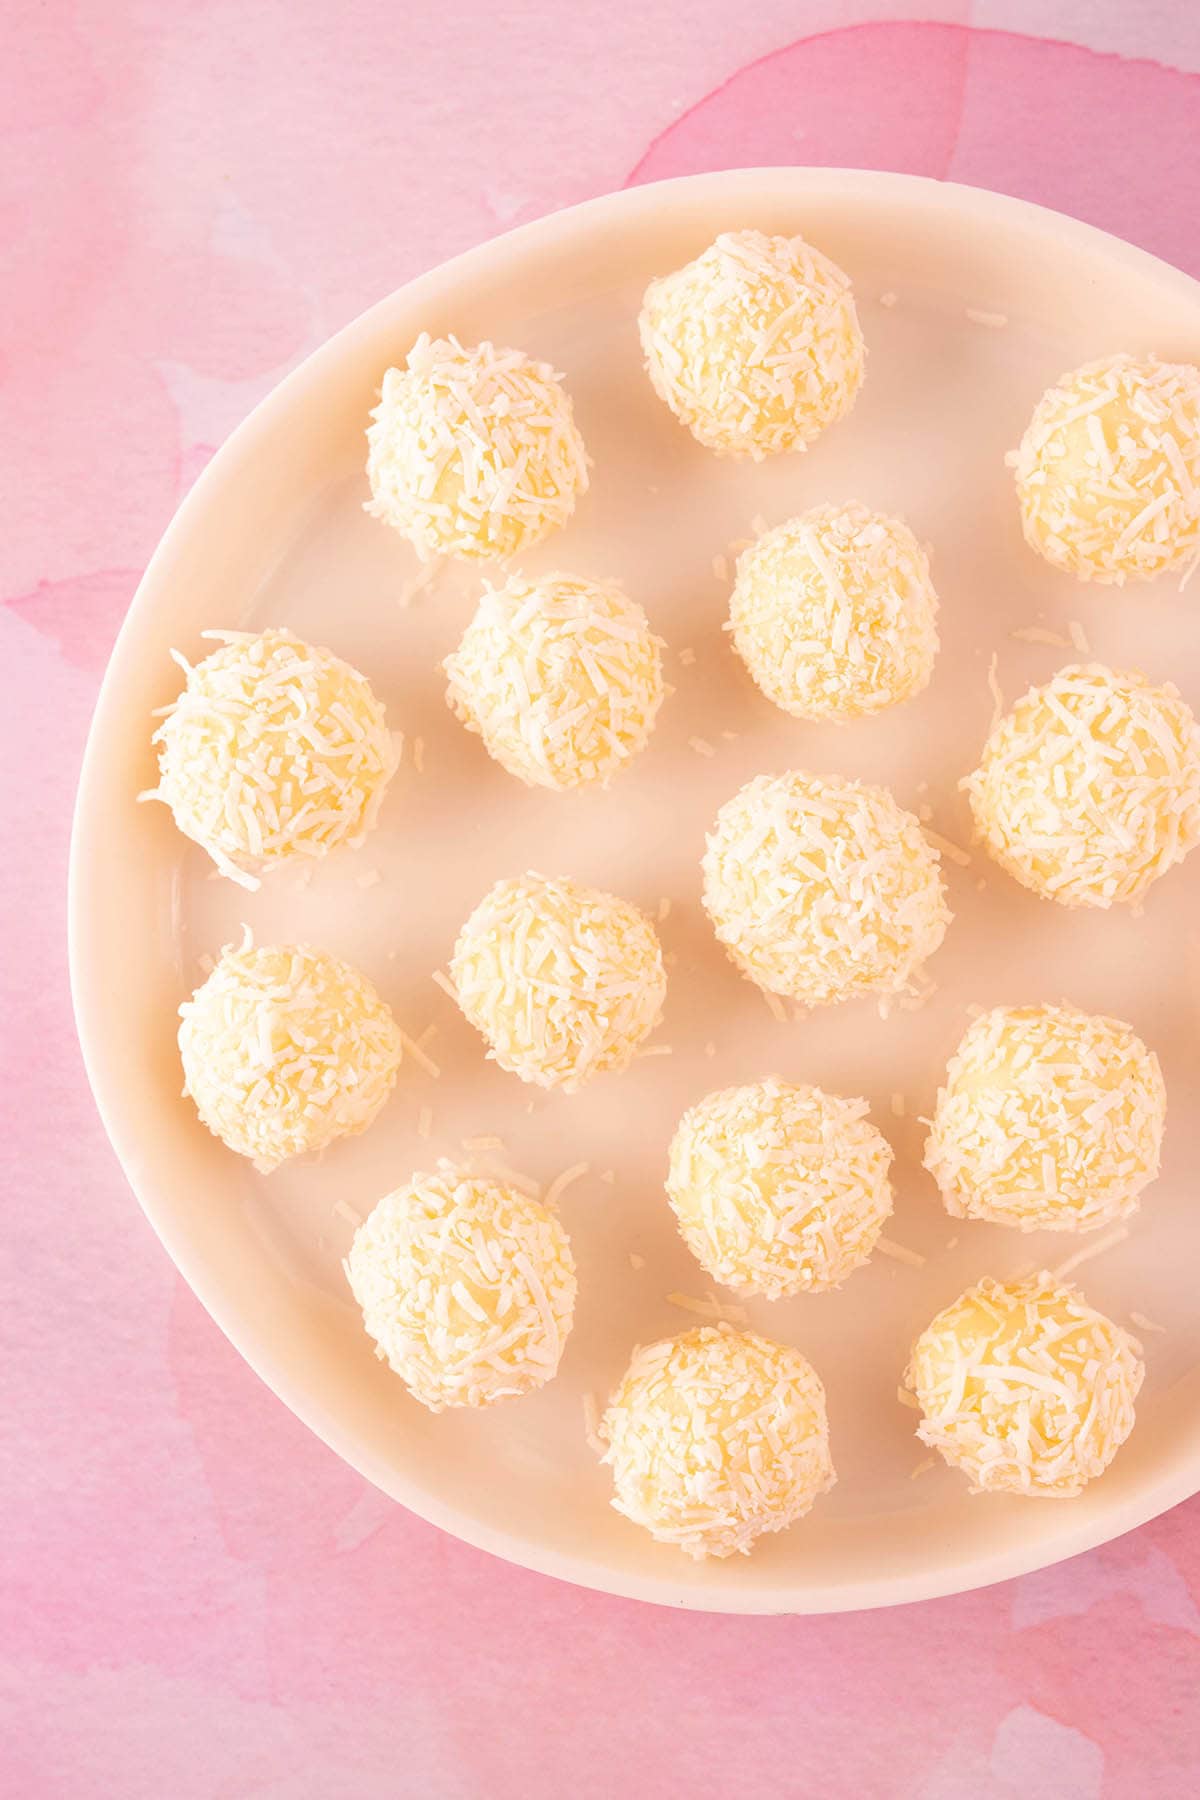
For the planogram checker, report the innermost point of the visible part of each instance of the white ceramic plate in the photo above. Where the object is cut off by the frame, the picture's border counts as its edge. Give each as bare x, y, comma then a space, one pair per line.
274, 533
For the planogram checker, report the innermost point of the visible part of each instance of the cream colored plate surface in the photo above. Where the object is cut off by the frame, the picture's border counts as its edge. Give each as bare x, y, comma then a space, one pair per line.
274, 533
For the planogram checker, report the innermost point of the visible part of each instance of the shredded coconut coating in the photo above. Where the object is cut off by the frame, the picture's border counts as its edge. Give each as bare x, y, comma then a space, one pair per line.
563, 981
275, 751
473, 451
467, 1286
1051, 1119
834, 613
755, 346
286, 1049
1089, 789
561, 677
823, 889
1025, 1387
1108, 471
716, 1437
779, 1189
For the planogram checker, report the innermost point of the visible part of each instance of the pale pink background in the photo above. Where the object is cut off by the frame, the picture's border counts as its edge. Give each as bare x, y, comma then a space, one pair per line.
198, 1599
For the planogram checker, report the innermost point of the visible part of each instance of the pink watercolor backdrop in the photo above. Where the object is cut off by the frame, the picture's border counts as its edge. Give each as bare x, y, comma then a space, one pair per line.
196, 1598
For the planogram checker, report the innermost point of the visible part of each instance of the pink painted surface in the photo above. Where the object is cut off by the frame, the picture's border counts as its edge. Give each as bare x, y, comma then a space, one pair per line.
196, 1598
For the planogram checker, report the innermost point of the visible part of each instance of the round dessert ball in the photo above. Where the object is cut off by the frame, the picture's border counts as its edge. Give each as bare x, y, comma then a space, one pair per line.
779, 1189
834, 613
1025, 1387
755, 346
823, 889
716, 1437
473, 451
1051, 1119
561, 677
1108, 471
563, 981
275, 751
1089, 789
467, 1287
286, 1049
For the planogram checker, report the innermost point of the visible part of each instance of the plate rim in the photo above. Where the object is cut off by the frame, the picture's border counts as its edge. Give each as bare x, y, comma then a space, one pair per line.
980, 1570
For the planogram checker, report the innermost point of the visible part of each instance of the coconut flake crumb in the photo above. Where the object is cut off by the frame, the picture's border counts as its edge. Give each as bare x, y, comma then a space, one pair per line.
1039, 634
900, 1253
421, 1057
721, 1312
1091, 1251
591, 1424
561, 1183
995, 691
949, 848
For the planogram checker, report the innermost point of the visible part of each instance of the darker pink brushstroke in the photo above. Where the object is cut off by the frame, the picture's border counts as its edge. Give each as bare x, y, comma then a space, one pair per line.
963, 104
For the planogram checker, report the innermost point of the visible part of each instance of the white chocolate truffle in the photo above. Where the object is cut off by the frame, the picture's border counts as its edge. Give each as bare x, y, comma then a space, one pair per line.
779, 1189
755, 346
1089, 789
1108, 471
473, 451
1051, 1119
823, 889
716, 1437
286, 1049
834, 613
274, 752
563, 981
467, 1287
1025, 1387
561, 677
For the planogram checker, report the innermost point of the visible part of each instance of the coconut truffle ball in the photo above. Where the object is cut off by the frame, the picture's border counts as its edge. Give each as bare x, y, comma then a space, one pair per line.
286, 1049
561, 677
1089, 789
715, 1437
1051, 1119
779, 1189
834, 613
1025, 1387
467, 1287
275, 751
473, 451
755, 346
823, 889
563, 981
1108, 471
